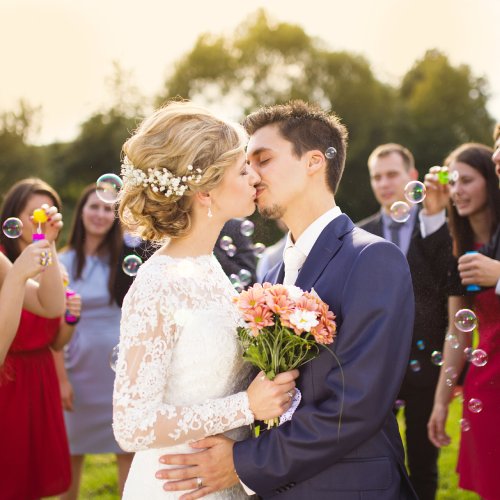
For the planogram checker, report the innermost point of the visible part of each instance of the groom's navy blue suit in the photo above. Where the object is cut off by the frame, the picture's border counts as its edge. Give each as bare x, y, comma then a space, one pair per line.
367, 284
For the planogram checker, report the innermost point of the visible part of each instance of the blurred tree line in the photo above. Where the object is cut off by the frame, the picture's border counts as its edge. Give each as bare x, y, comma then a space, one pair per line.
435, 107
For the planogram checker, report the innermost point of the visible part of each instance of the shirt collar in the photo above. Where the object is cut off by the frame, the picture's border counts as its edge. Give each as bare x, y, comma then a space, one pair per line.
308, 238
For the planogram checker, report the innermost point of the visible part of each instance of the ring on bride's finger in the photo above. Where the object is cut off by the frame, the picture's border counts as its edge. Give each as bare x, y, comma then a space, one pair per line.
199, 482
290, 394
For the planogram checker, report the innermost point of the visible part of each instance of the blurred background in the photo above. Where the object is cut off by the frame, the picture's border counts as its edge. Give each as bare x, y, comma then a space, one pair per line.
77, 77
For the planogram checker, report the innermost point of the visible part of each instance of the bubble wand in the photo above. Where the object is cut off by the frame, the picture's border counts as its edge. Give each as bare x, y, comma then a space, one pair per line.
69, 318
40, 217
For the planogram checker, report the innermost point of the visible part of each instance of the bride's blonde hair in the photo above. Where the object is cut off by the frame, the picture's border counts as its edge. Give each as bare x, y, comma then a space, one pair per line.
185, 139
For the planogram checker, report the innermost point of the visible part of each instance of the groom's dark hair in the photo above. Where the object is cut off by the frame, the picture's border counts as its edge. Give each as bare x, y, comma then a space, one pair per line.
307, 127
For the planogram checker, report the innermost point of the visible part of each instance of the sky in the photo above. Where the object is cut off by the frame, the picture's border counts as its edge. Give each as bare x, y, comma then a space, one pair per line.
58, 54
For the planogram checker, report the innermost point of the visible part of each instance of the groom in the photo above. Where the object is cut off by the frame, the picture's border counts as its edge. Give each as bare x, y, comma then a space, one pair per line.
343, 441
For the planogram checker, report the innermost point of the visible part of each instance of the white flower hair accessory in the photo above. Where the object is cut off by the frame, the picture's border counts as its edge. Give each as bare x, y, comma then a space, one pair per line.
159, 180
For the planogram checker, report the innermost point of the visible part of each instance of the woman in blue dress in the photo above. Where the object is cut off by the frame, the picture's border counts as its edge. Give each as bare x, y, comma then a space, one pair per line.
86, 377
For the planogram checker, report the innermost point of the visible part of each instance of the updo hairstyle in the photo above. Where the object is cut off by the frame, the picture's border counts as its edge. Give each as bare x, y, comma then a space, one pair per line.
176, 137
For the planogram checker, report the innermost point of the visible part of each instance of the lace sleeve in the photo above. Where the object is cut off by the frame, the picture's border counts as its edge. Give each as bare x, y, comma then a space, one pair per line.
141, 417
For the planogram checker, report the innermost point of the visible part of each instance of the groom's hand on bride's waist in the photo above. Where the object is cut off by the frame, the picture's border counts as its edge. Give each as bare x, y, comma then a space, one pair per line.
206, 471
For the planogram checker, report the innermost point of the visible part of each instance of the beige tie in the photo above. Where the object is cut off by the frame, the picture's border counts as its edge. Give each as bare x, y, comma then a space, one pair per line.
293, 259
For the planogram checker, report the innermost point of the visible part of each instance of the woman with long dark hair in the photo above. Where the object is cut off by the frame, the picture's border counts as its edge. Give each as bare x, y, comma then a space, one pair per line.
91, 259
34, 455
474, 215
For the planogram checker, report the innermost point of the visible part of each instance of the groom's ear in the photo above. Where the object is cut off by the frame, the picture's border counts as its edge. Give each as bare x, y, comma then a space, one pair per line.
315, 161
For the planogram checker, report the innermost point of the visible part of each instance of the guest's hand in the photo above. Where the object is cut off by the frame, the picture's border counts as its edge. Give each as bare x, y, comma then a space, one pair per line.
207, 471
270, 399
438, 194
436, 426
31, 261
66, 394
54, 223
74, 305
477, 269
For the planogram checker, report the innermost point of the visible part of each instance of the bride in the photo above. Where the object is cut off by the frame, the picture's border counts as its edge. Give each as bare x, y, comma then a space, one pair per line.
180, 376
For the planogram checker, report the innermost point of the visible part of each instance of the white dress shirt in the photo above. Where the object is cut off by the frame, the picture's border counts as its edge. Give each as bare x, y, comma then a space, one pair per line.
308, 238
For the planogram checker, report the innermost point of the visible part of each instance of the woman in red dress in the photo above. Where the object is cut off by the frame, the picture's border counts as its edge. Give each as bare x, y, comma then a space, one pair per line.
474, 215
34, 455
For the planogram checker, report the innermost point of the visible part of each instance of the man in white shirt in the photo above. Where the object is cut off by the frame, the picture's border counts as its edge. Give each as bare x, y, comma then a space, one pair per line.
342, 441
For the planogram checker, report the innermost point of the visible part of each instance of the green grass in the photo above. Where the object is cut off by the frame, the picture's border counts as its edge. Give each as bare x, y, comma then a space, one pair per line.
100, 477
448, 479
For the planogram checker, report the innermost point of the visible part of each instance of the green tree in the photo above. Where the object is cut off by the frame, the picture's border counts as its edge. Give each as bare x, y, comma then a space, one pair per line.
19, 159
446, 106
97, 149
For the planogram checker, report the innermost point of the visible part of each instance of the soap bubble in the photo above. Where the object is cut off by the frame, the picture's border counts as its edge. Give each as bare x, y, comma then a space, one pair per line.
400, 211
231, 250
479, 357
259, 249
465, 320
330, 152
453, 340
225, 241
12, 227
236, 282
415, 191
108, 188
131, 264
464, 425
247, 228
414, 365
245, 276
113, 357
468, 353
437, 358
475, 405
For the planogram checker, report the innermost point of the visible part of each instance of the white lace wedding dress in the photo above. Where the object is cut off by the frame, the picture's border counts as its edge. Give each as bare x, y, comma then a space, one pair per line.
179, 375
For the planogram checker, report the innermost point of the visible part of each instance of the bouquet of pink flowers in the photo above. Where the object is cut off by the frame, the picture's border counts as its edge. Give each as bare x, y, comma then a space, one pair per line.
284, 327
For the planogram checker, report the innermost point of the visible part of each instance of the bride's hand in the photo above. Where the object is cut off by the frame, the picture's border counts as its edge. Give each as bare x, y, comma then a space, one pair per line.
270, 399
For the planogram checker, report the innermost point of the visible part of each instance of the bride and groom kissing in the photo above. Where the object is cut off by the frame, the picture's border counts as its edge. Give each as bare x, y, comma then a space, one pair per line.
182, 393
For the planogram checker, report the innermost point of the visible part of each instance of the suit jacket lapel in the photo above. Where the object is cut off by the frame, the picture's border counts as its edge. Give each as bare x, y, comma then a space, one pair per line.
378, 228
325, 248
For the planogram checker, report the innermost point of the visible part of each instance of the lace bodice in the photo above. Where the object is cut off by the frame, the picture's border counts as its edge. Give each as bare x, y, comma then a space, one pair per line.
179, 375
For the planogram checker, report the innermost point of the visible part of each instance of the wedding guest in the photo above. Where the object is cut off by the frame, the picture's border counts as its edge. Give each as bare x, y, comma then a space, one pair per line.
474, 215
483, 268
427, 249
86, 377
17, 291
32, 432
